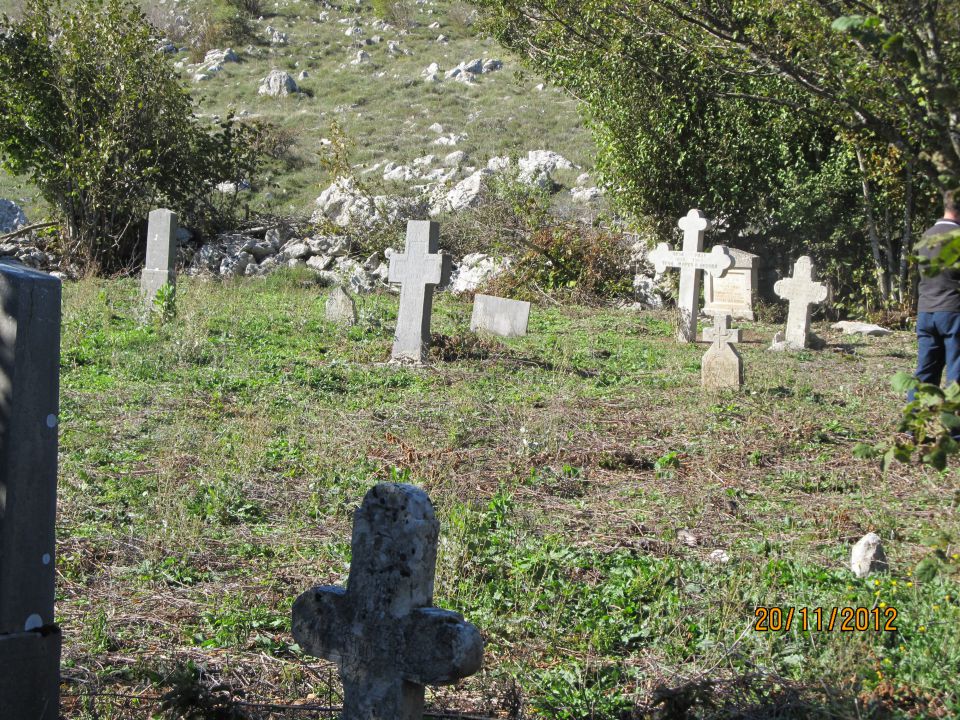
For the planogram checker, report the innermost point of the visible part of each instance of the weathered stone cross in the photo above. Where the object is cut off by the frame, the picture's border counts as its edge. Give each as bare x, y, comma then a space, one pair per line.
691, 260
419, 269
381, 630
160, 266
29, 394
722, 366
801, 291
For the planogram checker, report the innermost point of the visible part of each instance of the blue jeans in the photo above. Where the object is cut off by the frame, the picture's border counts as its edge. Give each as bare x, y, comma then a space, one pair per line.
938, 340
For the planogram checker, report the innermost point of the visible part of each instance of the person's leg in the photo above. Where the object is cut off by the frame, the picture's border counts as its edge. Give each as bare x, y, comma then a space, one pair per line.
949, 326
931, 354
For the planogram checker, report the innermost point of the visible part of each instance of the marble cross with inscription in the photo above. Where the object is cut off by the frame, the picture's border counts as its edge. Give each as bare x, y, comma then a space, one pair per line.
802, 292
418, 269
691, 261
382, 631
722, 366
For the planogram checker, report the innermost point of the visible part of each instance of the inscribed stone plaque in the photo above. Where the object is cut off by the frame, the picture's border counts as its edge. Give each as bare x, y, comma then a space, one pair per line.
340, 308
500, 316
732, 294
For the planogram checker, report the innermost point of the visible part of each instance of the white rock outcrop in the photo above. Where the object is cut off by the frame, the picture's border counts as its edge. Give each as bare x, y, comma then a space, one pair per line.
278, 84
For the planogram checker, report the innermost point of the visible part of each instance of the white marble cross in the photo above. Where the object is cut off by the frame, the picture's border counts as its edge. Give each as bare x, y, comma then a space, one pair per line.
691, 261
801, 291
722, 366
382, 631
419, 269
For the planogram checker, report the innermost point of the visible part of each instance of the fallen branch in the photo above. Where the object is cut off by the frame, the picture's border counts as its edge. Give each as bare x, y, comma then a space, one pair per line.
25, 230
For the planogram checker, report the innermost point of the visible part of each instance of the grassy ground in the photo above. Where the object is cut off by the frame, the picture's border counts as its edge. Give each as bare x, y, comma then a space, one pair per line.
209, 469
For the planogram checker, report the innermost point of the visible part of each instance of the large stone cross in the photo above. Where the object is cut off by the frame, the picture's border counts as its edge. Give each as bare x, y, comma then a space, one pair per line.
419, 269
691, 261
722, 366
29, 398
382, 631
801, 291
159, 269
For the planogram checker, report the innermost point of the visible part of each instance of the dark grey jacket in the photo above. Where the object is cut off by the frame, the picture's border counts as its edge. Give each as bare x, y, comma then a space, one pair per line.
941, 292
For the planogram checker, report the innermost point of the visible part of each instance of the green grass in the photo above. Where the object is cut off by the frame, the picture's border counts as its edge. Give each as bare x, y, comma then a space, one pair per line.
210, 467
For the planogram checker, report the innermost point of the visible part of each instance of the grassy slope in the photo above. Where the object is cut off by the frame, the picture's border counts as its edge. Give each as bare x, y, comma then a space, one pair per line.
383, 106
209, 469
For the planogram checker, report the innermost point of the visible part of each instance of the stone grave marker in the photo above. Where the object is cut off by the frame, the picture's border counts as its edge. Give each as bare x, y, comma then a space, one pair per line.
382, 631
802, 292
722, 366
500, 316
691, 261
160, 266
29, 393
340, 308
733, 293
419, 269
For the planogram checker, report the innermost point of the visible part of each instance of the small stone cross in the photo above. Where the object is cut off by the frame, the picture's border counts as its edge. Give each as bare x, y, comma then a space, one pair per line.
691, 261
801, 291
722, 366
419, 269
381, 630
159, 269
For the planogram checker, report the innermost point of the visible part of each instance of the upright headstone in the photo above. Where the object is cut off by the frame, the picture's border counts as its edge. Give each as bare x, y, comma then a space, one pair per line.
419, 269
733, 293
160, 266
340, 308
499, 316
722, 366
29, 394
802, 292
691, 261
382, 631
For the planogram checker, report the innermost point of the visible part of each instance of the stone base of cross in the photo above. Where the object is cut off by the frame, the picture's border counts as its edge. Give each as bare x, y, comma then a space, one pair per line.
691, 262
382, 631
722, 366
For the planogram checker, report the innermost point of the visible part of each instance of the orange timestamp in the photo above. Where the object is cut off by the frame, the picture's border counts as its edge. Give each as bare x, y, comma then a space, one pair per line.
842, 619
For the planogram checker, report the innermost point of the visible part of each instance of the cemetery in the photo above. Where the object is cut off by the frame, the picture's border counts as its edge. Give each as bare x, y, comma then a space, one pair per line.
637, 431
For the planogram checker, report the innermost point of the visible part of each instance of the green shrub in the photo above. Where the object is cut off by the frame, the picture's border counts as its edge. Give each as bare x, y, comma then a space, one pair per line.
99, 121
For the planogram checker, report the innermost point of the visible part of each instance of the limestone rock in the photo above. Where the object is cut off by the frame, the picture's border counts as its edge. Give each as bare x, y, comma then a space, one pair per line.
860, 328
536, 168
475, 270
464, 194
278, 84
11, 217
868, 556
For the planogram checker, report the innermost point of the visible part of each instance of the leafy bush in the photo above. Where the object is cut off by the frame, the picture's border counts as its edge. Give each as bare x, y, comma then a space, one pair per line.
572, 261
97, 118
398, 12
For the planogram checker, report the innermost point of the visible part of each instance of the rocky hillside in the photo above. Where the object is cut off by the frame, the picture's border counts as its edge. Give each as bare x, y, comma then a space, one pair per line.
424, 101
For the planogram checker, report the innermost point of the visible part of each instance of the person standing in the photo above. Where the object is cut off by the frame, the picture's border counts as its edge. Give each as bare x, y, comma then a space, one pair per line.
938, 307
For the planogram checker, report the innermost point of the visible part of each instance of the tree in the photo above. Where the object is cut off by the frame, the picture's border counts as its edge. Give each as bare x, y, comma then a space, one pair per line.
94, 114
774, 97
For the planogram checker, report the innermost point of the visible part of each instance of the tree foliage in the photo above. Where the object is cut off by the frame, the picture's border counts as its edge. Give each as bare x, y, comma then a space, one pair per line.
94, 114
793, 122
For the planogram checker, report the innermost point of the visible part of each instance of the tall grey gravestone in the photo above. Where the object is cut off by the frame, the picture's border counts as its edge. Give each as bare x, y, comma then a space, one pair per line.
160, 266
722, 366
418, 269
802, 292
691, 261
29, 392
382, 631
